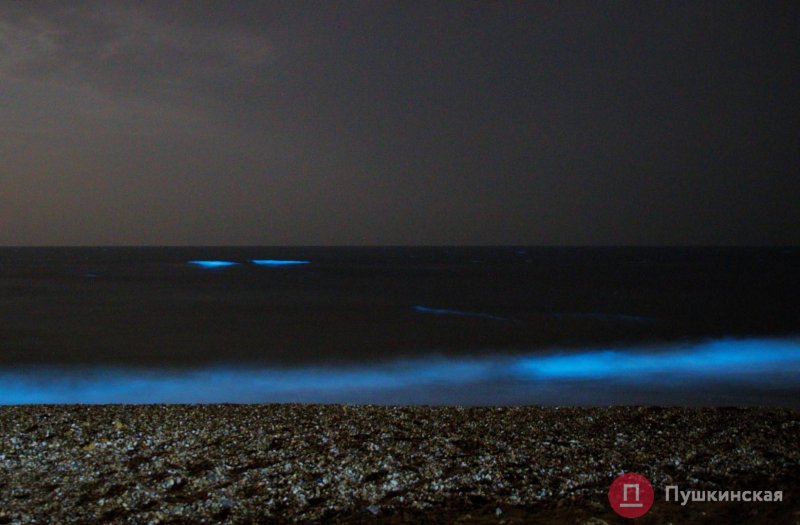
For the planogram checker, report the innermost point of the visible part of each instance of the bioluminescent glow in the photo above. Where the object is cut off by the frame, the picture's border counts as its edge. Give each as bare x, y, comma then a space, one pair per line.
230, 383
277, 262
213, 264
460, 313
716, 359
714, 372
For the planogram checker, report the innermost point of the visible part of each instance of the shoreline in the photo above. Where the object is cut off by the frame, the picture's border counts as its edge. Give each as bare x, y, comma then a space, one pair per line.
364, 463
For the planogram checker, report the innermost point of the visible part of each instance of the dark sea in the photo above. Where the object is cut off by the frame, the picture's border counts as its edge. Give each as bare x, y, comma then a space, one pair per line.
477, 326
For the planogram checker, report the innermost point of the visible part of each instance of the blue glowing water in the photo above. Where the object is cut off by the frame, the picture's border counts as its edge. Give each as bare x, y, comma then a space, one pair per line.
724, 371
277, 262
213, 264
715, 359
393, 324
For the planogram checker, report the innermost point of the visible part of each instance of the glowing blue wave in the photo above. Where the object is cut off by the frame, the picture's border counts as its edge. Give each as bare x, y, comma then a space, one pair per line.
737, 357
213, 264
277, 262
259, 262
728, 371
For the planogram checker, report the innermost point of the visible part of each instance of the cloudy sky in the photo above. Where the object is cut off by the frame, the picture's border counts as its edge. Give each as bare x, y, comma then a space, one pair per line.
317, 123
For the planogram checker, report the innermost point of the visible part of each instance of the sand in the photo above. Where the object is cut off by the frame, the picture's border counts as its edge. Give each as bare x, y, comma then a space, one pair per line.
366, 464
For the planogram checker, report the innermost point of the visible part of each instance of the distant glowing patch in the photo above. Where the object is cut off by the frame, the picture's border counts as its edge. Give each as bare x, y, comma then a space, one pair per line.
213, 264
460, 313
277, 262
705, 373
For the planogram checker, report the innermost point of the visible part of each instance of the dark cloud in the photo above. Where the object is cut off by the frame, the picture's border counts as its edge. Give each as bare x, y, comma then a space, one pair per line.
127, 51
378, 122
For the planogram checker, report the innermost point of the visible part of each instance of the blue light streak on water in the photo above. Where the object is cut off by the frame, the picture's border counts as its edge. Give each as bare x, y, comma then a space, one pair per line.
213, 264
460, 313
726, 357
604, 376
228, 383
277, 262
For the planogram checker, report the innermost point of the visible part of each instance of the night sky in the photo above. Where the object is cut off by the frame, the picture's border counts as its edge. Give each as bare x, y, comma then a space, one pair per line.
360, 123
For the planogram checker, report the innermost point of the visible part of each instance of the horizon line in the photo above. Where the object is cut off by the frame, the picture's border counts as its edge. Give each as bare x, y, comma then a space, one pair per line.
29, 246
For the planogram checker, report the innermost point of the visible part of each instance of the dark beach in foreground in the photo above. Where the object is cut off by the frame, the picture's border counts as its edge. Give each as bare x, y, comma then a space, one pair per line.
337, 463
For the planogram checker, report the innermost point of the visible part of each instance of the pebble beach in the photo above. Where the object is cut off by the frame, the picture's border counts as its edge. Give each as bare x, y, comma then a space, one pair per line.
366, 464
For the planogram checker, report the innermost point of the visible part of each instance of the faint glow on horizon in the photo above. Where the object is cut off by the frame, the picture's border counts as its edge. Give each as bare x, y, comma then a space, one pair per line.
277, 262
604, 376
213, 264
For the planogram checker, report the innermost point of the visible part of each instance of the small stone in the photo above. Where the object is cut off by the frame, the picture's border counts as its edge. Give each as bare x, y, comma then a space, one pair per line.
174, 483
374, 509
